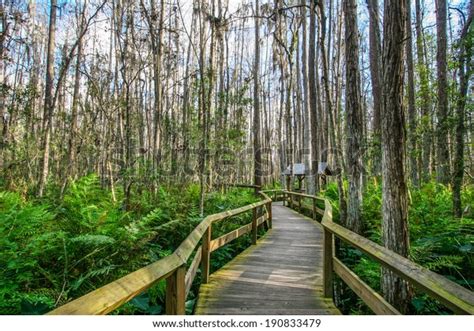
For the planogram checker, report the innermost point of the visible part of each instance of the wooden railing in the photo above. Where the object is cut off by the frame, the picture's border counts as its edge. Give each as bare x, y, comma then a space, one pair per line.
173, 268
457, 298
255, 187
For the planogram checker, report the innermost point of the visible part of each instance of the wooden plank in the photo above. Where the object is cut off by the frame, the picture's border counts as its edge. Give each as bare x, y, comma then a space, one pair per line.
192, 271
245, 186
261, 220
227, 238
111, 296
264, 311
371, 298
206, 255
176, 292
311, 210
454, 296
305, 195
271, 191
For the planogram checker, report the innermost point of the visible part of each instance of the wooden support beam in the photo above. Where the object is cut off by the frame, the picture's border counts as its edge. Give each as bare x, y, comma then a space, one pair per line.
269, 209
327, 263
176, 292
264, 220
314, 209
254, 226
206, 254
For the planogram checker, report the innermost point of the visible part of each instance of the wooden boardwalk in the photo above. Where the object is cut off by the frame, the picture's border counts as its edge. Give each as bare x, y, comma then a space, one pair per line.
282, 274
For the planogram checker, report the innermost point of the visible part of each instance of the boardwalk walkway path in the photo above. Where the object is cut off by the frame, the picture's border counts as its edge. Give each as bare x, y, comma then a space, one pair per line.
282, 274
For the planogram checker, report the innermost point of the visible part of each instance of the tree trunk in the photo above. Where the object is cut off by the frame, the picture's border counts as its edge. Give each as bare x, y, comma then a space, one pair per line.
313, 109
256, 105
48, 99
354, 118
464, 72
413, 151
394, 188
425, 98
375, 76
157, 53
306, 118
336, 145
72, 148
442, 151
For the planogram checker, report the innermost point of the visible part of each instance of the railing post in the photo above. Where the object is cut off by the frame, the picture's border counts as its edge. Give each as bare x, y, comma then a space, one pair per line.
299, 203
206, 254
269, 209
291, 200
327, 260
254, 225
176, 292
314, 208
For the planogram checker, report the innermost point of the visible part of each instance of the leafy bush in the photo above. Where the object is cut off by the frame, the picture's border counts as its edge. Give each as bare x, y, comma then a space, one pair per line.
27, 242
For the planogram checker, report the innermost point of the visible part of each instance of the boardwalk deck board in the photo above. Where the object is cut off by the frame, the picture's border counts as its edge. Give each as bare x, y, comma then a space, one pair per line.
282, 274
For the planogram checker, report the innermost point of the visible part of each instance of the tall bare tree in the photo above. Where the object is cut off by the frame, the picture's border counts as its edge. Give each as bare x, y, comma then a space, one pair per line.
256, 103
442, 151
375, 60
48, 99
465, 55
354, 122
412, 118
312, 67
425, 98
394, 187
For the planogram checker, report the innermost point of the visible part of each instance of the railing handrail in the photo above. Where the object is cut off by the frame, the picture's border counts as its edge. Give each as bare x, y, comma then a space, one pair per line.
257, 187
113, 295
454, 296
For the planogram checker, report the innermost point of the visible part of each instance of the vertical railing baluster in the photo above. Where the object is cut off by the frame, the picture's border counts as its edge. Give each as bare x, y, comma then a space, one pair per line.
176, 292
314, 208
269, 209
254, 225
206, 254
327, 261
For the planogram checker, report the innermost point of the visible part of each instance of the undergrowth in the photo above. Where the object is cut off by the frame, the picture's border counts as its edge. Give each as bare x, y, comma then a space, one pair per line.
53, 250
438, 241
